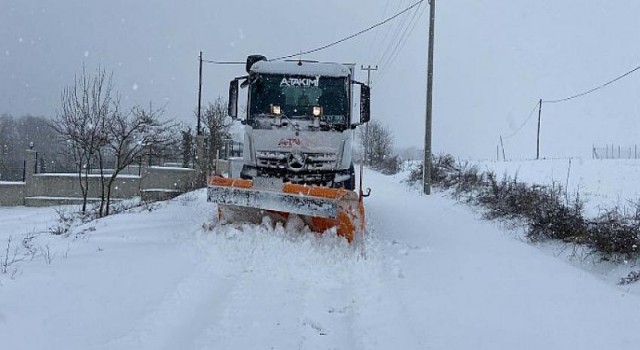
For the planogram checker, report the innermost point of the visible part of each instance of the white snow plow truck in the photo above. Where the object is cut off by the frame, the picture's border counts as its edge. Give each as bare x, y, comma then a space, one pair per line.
297, 147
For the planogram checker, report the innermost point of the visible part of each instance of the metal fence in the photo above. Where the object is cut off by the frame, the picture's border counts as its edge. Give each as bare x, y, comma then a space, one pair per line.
615, 152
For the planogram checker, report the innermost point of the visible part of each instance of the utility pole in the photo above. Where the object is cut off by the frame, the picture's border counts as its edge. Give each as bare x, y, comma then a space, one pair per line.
201, 167
366, 127
538, 138
199, 130
426, 168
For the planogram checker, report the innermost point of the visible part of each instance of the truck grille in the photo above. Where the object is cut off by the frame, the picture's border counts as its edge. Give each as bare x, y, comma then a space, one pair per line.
296, 161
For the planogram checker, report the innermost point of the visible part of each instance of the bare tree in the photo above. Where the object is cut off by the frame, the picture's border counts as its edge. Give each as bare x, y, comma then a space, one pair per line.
10, 167
129, 135
187, 147
217, 129
380, 145
85, 107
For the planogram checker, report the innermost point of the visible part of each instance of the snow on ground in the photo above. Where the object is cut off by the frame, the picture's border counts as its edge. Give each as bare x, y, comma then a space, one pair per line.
602, 183
432, 276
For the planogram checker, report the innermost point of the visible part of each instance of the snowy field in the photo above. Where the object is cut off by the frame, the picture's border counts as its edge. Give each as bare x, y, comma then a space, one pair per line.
601, 183
431, 276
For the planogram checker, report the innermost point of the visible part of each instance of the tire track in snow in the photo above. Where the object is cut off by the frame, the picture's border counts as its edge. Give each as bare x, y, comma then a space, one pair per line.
182, 315
259, 313
294, 293
380, 317
327, 321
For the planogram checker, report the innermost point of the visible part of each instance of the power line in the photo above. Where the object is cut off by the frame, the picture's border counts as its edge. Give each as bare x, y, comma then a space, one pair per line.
415, 19
352, 35
222, 62
398, 29
403, 35
381, 48
331, 44
594, 89
403, 40
525, 122
375, 36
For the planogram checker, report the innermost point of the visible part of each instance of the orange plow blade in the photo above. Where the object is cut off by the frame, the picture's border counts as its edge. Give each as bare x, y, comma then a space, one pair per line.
321, 208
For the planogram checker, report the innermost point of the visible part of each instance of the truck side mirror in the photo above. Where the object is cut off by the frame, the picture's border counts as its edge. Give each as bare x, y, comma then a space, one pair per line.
365, 104
233, 99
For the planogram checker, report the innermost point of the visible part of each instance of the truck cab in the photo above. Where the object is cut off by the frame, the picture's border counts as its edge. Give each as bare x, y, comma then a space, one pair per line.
299, 124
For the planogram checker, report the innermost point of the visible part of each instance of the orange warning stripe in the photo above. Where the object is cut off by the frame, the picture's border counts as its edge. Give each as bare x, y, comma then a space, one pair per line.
315, 191
228, 182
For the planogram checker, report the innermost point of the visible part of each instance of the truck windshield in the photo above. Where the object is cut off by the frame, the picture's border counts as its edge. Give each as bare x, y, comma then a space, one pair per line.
297, 95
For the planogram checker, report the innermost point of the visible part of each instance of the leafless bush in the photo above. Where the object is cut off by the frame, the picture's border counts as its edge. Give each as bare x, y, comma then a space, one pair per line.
633, 276
149, 206
66, 219
46, 254
123, 206
389, 165
10, 256
187, 199
415, 175
467, 179
442, 167
28, 246
547, 211
614, 235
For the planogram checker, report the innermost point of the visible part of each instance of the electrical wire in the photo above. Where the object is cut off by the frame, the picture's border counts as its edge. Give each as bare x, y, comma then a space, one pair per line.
382, 47
406, 34
223, 62
403, 40
396, 31
352, 35
525, 122
594, 89
375, 37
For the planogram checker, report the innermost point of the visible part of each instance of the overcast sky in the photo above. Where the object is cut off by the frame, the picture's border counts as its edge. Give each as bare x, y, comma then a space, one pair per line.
494, 59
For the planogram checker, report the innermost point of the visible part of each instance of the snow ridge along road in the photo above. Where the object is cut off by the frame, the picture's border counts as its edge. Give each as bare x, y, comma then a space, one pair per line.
434, 277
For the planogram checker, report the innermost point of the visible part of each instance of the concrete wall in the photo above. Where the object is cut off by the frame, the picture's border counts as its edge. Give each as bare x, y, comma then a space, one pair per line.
155, 183
160, 183
167, 178
11, 193
68, 185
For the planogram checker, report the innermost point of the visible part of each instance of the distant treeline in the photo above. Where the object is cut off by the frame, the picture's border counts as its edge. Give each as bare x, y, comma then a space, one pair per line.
19, 134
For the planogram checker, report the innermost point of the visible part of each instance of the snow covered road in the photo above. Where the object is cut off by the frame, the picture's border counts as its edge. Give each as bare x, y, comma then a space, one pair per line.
469, 285
433, 276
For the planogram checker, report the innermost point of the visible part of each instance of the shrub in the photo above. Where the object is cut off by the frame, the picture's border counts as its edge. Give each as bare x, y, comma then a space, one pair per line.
614, 236
415, 174
546, 210
390, 165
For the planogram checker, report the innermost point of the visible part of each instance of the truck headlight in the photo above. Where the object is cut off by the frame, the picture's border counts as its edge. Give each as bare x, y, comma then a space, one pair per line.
276, 110
317, 111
